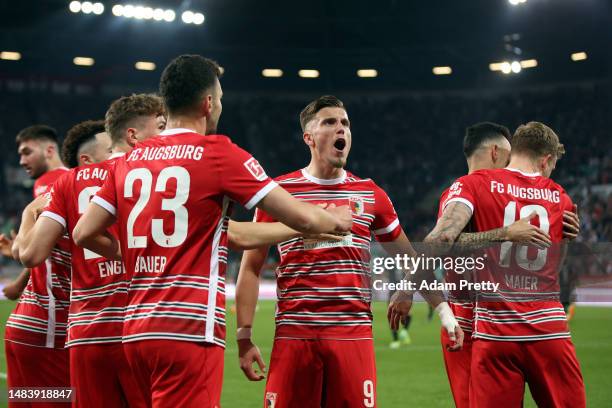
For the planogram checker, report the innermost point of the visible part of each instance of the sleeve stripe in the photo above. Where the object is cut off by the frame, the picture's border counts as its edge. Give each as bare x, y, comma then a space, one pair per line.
388, 228
459, 200
104, 204
54, 217
260, 194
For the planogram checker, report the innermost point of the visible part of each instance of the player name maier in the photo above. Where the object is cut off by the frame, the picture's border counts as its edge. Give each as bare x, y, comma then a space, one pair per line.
436, 285
530, 193
185, 152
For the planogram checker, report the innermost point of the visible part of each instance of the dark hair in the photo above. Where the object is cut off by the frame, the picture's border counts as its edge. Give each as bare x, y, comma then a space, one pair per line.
535, 139
38, 133
476, 135
309, 112
123, 111
185, 80
76, 137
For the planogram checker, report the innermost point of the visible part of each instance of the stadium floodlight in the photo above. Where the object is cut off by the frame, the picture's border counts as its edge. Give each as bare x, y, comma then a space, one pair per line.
579, 56
517, 2
442, 70
187, 17
75, 6
98, 8
198, 18
139, 12
87, 7
496, 66
128, 11
117, 10
506, 68
169, 15
147, 13
10, 55
272, 72
515, 66
308, 73
83, 61
158, 14
530, 63
367, 73
145, 66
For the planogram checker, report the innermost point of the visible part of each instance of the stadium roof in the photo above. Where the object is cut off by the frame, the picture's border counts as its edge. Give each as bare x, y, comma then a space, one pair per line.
401, 39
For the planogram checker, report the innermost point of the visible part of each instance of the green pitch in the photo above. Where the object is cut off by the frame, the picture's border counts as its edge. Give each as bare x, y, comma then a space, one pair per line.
413, 375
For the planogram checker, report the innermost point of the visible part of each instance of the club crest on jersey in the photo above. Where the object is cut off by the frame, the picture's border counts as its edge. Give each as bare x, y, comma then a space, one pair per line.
270, 399
357, 206
253, 166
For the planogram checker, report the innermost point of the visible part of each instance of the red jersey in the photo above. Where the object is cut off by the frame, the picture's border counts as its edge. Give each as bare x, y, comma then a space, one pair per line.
526, 305
41, 315
171, 196
459, 301
99, 288
324, 287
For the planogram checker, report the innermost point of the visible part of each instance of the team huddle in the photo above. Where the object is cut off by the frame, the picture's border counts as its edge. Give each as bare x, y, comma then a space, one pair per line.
123, 297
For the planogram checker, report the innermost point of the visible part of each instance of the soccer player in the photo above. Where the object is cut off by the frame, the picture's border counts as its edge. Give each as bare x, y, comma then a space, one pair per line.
518, 335
323, 353
36, 329
170, 198
99, 370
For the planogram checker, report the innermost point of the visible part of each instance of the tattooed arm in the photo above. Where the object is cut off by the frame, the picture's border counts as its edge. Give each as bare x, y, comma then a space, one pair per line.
449, 226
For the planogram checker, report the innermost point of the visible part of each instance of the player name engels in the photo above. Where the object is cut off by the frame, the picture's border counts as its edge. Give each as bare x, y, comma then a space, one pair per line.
531, 193
177, 152
436, 285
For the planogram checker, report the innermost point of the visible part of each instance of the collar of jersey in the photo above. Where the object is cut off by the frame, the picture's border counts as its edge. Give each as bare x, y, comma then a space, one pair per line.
523, 173
115, 155
324, 182
176, 131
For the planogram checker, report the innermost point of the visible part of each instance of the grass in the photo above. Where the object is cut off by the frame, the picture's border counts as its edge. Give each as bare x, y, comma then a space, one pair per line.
413, 375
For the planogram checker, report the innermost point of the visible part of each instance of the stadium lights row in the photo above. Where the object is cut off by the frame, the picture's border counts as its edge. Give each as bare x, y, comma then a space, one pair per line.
517, 2
86, 7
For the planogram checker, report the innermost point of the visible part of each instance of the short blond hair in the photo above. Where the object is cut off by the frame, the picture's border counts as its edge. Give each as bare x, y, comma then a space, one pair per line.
535, 139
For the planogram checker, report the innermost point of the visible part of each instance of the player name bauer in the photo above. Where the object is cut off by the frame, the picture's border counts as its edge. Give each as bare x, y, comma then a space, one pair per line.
150, 264
182, 151
530, 193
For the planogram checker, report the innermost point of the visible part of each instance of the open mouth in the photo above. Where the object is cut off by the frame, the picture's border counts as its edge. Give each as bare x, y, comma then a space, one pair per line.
340, 144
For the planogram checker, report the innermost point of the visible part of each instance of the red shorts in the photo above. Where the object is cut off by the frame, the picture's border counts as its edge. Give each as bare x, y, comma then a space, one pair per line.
314, 373
550, 368
457, 365
173, 373
102, 377
31, 366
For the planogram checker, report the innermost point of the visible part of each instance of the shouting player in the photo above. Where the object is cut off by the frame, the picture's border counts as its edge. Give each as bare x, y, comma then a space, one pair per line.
170, 198
36, 329
323, 353
520, 333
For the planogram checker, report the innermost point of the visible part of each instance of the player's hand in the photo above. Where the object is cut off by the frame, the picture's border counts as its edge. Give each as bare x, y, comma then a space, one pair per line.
399, 308
12, 291
248, 353
571, 223
522, 231
6, 243
456, 337
343, 215
36, 207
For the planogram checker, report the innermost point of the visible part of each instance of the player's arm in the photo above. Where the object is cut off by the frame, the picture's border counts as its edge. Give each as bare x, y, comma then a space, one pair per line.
39, 241
28, 219
91, 232
401, 301
454, 219
304, 217
13, 290
247, 293
250, 235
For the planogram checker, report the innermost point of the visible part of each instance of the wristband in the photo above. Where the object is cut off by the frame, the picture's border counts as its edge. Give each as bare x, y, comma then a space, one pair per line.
243, 333
447, 318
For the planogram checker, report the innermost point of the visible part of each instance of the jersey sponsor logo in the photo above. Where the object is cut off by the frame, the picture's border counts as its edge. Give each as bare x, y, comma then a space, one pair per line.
253, 166
357, 205
310, 244
271, 399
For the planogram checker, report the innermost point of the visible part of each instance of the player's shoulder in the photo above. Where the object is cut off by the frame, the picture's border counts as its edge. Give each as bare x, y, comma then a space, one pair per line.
293, 177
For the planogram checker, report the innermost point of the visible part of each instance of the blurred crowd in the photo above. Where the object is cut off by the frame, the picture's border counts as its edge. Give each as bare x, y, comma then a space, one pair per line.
410, 144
